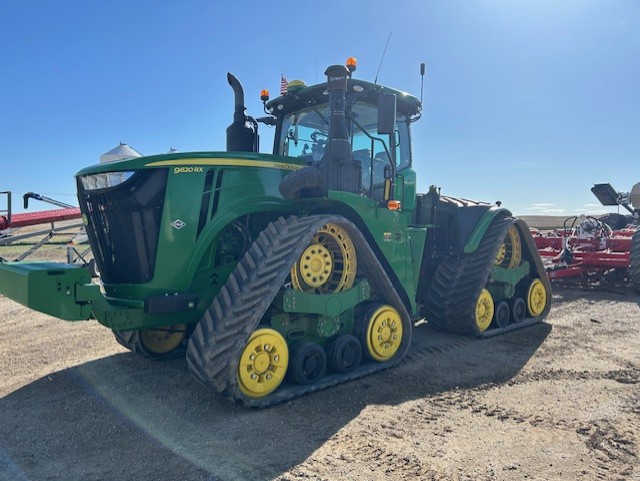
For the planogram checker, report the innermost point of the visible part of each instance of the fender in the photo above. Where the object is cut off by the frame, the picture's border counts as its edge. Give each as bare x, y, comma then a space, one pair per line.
481, 227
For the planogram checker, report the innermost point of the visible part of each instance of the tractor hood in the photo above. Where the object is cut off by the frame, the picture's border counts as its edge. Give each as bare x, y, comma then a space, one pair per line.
194, 159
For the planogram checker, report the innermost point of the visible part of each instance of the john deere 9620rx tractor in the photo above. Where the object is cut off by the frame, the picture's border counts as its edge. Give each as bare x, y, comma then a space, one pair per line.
279, 274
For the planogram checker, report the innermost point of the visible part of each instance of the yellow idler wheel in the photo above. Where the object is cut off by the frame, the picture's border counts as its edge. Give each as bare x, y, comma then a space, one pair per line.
163, 340
510, 252
328, 265
536, 298
316, 265
263, 363
484, 310
384, 333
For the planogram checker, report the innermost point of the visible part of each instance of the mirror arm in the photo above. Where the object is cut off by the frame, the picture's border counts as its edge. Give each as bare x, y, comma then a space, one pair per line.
268, 120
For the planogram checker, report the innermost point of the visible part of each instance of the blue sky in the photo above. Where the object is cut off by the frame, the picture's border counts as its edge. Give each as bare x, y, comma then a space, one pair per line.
527, 102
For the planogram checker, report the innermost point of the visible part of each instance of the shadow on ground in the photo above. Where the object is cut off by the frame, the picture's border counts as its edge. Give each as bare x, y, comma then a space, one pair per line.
127, 418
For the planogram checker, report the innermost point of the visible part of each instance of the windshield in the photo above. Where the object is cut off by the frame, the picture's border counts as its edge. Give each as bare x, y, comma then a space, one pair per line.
305, 132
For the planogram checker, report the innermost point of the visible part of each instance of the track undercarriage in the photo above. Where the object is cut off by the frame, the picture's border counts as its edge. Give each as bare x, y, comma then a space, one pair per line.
502, 275
310, 306
235, 349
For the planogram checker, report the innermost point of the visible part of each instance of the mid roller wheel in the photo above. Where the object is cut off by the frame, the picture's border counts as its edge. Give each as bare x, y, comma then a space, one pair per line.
308, 363
502, 314
518, 310
344, 353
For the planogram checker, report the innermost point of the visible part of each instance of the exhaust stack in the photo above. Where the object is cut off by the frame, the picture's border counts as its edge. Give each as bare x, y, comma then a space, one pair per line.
242, 134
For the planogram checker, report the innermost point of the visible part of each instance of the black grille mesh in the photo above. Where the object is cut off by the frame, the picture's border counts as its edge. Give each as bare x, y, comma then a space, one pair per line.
123, 225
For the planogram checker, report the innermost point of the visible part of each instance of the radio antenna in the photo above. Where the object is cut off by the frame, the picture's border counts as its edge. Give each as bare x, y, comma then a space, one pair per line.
380, 66
422, 71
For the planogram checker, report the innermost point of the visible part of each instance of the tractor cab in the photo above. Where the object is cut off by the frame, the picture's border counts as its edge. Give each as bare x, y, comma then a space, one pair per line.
362, 127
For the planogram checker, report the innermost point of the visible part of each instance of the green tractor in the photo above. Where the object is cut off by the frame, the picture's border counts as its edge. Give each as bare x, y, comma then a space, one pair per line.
281, 274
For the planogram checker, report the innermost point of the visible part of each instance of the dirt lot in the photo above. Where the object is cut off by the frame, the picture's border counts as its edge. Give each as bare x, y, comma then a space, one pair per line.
560, 400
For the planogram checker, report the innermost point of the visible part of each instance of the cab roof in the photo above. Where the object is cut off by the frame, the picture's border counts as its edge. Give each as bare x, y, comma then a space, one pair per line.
317, 94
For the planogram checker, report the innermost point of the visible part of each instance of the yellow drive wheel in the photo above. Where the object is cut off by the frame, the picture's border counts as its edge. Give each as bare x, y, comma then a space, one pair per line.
328, 265
484, 310
510, 252
536, 298
316, 265
383, 334
263, 363
163, 340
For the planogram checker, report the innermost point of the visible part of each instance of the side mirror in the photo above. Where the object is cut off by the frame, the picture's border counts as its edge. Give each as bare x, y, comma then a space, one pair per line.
387, 114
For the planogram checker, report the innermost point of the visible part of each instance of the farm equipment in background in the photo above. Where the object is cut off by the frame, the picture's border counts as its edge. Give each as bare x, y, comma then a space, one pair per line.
596, 251
281, 274
608, 196
10, 221
11, 224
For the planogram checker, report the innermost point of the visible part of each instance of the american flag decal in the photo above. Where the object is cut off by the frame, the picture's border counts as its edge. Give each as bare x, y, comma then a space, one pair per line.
283, 84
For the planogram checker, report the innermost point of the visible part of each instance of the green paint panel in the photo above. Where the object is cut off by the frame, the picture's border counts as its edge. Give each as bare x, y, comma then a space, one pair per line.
117, 317
298, 328
61, 290
389, 230
417, 239
509, 276
502, 282
330, 305
481, 227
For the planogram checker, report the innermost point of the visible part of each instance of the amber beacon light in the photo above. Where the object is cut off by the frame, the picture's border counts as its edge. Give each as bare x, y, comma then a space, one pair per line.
352, 64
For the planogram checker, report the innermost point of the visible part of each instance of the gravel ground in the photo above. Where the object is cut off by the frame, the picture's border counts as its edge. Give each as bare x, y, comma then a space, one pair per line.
559, 400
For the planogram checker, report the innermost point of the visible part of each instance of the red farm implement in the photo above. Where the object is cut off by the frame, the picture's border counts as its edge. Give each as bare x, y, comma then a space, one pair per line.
46, 226
593, 250
9, 220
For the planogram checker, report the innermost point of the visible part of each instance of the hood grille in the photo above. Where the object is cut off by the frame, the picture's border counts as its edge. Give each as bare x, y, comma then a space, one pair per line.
124, 224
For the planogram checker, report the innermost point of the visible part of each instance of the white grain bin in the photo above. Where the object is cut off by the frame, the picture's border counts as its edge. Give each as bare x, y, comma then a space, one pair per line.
120, 152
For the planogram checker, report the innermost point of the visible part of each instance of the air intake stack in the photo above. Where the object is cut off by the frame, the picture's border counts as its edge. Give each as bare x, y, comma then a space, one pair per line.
340, 170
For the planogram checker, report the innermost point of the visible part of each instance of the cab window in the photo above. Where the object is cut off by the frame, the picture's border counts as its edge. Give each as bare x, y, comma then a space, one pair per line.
305, 134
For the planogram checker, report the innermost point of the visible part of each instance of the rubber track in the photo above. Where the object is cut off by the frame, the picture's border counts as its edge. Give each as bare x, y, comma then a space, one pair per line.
634, 267
457, 282
219, 337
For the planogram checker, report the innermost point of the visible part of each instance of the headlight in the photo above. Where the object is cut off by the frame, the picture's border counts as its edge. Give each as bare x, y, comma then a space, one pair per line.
105, 180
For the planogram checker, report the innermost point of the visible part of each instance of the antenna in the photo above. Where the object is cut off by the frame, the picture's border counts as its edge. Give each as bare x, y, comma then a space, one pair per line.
385, 51
423, 68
